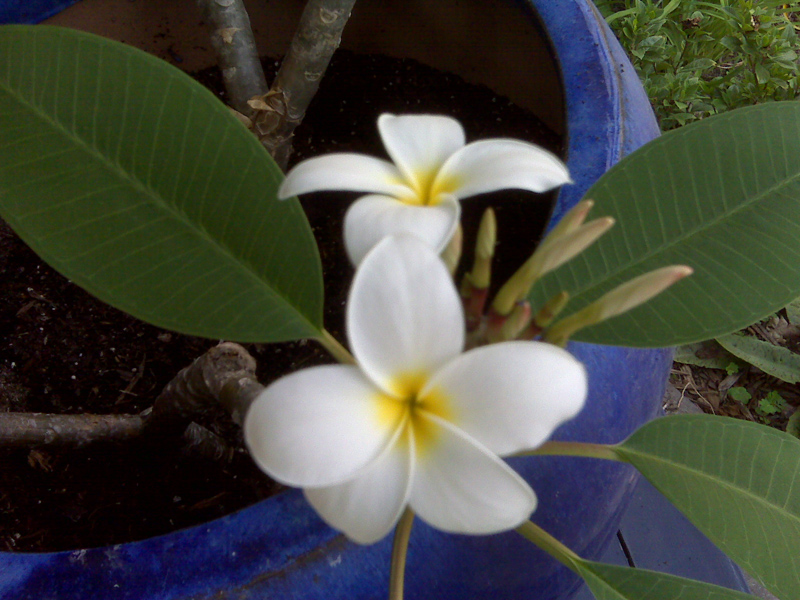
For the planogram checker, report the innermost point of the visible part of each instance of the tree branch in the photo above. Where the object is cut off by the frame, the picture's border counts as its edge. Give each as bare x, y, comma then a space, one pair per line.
284, 106
36, 429
235, 46
223, 376
226, 375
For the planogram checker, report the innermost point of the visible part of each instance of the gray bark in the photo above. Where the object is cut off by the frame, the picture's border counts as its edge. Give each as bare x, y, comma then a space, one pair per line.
223, 376
36, 429
235, 46
226, 375
313, 45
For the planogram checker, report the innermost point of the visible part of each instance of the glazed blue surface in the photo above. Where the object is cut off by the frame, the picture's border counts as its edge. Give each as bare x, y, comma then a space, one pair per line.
30, 11
280, 549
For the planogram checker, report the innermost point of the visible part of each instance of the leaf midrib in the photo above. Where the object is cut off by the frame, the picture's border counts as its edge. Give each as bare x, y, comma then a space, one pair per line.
586, 290
623, 450
158, 201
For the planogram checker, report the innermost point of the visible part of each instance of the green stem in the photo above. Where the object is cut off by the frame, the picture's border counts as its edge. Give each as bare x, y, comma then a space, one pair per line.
399, 549
336, 350
543, 540
575, 449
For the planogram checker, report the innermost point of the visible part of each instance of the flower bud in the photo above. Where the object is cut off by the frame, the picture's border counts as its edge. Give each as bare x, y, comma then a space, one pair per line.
570, 221
508, 328
569, 245
551, 253
451, 254
481, 273
619, 300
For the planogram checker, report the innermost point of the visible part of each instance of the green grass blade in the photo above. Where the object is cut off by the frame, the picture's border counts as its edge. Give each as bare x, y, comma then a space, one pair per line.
135, 182
737, 481
721, 195
611, 582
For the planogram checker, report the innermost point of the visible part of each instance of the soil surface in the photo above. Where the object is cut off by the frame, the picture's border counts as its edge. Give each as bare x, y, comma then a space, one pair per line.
62, 351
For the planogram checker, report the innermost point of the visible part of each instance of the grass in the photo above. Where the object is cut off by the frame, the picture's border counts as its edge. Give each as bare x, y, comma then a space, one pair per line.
697, 58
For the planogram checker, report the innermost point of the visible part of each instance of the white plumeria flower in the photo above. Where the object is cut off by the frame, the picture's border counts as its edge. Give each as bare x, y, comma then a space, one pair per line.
415, 422
433, 169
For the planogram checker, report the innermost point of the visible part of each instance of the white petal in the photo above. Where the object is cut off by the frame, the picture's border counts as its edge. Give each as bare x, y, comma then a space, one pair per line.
372, 218
461, 487
404, 316
420, 144
347, 172
511, 396
500, 164
319, 426
367, 507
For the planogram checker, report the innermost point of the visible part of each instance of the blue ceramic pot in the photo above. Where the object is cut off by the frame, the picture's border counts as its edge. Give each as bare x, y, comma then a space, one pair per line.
280, 549
30, 11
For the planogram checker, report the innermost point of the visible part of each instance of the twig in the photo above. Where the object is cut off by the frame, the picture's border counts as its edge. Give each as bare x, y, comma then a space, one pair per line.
284, 106
235, 46
223, 376
36, 429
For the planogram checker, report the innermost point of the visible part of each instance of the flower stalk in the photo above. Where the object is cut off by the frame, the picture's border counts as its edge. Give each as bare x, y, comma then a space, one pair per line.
544, 541
402, 534
335, 348
586, 450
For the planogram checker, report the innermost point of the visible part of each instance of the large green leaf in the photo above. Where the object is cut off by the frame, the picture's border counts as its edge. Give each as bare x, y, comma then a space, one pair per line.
610, 582
135, 182
721, 195
774, 360
737, 481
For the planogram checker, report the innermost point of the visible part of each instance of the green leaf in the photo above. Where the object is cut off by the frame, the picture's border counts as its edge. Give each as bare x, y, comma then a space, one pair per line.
706, 354
762, 75
774, 360
793, 311
135, 182
737, 481
771, 404
611, 582
740, 394
721, 195
793, 424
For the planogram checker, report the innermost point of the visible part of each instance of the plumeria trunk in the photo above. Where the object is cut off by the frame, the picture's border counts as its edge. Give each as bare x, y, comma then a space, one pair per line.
235, 46
284, 106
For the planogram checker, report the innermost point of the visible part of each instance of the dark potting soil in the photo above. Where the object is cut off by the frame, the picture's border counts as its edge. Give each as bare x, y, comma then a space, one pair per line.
63, 351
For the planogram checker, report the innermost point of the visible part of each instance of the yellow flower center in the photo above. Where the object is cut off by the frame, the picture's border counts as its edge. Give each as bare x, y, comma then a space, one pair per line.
407, 408
425, 193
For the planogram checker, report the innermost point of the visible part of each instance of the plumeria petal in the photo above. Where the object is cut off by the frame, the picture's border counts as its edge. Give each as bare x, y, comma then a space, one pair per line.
367, 507
511, 396
500, 164
420, 144
372, 218
348, 172
404, 316
319, 426
461, 487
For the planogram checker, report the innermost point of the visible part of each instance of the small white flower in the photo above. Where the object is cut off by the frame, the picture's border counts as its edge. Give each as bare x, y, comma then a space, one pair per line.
433, 169
415, 422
